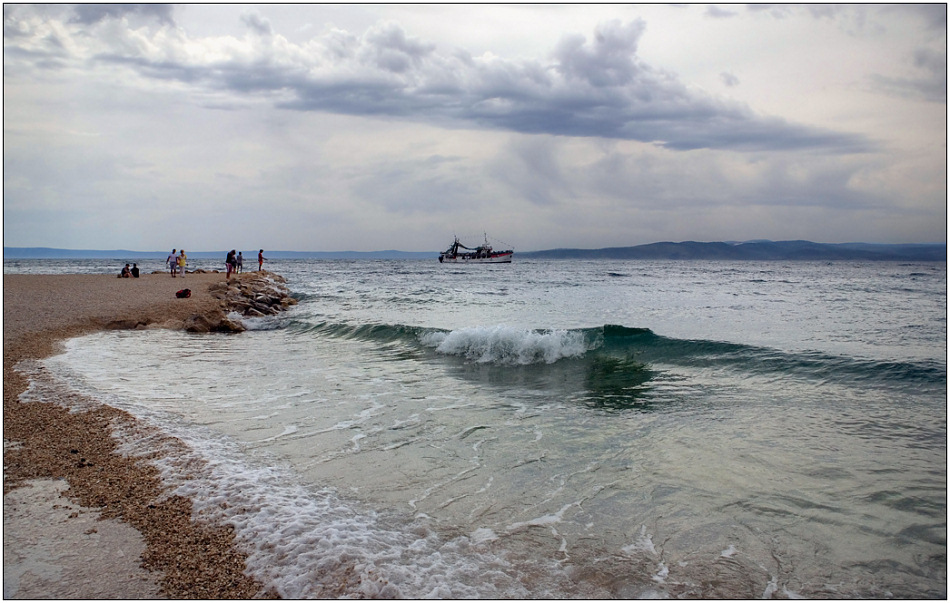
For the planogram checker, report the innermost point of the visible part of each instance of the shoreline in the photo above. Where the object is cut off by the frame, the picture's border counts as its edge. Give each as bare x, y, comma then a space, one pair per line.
48, 442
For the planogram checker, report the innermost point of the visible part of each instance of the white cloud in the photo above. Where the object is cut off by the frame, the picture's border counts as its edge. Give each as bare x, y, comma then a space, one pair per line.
275, 128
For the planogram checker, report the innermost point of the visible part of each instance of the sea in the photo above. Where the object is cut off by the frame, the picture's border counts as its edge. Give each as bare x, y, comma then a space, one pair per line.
556, 429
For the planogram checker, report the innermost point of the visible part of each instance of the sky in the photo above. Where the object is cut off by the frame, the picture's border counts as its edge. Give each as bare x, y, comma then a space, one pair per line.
373, 127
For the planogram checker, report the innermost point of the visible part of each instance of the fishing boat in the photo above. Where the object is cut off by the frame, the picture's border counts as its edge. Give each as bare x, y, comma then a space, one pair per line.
483, 254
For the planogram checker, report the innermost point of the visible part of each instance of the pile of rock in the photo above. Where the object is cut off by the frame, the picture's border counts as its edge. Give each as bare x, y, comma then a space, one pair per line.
252, 294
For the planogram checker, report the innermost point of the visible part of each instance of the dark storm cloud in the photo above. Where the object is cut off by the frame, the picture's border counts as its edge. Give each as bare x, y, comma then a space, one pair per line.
596, 87
928, 81
934, 15
257, 24
393, 51
729, 79
88, 14
719, 13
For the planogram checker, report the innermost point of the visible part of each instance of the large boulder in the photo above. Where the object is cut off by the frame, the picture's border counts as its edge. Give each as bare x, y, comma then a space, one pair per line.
216, 321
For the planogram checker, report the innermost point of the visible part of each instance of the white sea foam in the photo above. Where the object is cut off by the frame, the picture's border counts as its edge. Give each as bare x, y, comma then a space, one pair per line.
662, 571
502, 344
483, 535
307, 543
643, 544
545, 520
770, 588
303, 542
288, 430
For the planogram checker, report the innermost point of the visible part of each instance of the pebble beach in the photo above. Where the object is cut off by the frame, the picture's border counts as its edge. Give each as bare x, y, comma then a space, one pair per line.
70, 499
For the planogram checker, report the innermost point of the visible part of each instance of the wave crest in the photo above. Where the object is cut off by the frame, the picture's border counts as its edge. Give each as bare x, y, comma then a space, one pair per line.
502, 344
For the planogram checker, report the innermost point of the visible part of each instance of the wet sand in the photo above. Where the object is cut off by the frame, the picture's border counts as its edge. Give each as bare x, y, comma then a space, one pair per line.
81, 520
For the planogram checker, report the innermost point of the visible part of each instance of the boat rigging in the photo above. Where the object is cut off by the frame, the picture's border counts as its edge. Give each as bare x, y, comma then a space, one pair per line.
483, 254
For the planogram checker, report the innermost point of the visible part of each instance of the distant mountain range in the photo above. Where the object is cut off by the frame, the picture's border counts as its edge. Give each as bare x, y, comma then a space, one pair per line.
753, 250
687, 250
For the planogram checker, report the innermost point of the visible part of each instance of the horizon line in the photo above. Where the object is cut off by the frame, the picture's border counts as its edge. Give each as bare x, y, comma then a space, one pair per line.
399, 251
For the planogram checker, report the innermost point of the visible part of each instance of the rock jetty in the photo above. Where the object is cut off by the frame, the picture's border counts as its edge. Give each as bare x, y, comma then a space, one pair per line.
252, 294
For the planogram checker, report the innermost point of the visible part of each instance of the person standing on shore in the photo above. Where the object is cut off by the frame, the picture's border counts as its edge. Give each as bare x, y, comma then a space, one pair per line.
240, 262
260, 260
172, 262
182, 261
229, 262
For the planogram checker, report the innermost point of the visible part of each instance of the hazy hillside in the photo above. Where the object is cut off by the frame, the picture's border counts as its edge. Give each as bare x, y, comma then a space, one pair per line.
754, 250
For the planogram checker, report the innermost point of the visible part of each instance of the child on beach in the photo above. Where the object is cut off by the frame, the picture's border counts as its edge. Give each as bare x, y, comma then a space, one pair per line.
260, 260
182, 260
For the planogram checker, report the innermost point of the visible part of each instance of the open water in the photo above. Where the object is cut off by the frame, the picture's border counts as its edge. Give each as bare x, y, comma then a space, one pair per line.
546, 429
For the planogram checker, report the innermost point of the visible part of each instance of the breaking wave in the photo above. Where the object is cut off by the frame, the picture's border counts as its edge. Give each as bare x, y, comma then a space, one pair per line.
617, 350
508, 345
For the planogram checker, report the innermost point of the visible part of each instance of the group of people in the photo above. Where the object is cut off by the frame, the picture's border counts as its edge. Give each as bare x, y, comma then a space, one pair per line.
176, 262
235, 261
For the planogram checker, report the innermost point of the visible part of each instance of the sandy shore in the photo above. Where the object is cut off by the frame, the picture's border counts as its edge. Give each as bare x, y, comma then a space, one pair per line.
132, 541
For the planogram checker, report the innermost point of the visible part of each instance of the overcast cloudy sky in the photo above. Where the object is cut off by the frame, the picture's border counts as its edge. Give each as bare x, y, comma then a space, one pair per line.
362, 127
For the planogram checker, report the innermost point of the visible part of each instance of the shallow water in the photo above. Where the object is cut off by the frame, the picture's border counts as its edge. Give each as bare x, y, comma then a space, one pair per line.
564, 429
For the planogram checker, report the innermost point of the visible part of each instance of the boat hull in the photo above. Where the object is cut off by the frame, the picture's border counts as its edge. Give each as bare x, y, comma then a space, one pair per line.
501, 258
